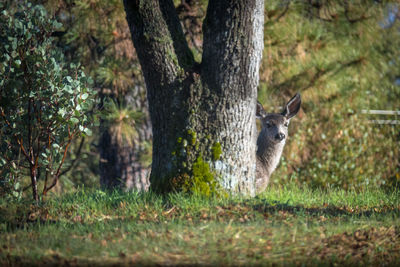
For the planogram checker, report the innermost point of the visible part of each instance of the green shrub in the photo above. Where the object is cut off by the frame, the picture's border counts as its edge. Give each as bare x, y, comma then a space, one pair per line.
44, 104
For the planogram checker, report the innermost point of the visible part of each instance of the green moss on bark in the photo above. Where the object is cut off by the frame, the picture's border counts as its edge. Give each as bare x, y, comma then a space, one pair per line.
198, 177
202, 180
216, 151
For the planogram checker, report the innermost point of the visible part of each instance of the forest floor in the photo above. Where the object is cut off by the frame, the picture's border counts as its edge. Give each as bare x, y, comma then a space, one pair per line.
284, 226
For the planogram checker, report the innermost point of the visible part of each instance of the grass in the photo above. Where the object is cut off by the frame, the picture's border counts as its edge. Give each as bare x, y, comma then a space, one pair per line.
284, 226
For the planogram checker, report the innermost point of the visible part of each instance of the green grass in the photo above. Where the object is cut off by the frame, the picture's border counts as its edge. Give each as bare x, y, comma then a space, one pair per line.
286, 225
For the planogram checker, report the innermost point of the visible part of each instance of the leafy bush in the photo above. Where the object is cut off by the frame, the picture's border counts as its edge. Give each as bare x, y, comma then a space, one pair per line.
44, 104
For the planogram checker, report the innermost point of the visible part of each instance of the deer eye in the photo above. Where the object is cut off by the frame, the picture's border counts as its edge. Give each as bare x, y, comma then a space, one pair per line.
286, 124
268, 124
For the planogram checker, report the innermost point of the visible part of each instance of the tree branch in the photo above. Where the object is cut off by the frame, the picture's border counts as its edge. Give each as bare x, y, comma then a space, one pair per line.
57, 175
233, 34
77, 156
182, 50
286, 4
159, 40
19, 141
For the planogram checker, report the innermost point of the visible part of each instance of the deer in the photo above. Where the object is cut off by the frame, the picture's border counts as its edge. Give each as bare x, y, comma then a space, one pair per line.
271, 139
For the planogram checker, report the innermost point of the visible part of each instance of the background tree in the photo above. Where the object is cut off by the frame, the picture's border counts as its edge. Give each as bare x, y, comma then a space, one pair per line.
203, 115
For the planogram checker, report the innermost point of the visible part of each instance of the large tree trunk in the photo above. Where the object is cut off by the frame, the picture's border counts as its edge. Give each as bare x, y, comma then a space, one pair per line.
203, 115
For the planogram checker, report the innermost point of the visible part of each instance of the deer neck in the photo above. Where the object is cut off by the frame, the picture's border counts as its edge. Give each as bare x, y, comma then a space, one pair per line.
269, 153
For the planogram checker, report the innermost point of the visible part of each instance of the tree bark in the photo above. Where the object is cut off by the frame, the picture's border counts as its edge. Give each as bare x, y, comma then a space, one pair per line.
120, 166
200, 110
33, 173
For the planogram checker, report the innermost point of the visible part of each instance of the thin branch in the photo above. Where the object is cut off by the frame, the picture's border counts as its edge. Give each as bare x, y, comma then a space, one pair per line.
332, 69
57, 175
77, 154
26, 187
30, 152
285, 10
49, 166
19, 141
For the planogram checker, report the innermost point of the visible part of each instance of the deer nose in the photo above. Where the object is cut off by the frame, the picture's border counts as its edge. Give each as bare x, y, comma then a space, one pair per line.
280, 136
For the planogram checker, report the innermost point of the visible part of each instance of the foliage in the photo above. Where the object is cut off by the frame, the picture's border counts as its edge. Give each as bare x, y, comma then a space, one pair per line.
340, 58
123, 122
314, 227
44, 104
95, 34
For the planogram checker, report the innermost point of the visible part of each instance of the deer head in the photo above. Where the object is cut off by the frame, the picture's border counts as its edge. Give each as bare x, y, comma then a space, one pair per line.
275, 125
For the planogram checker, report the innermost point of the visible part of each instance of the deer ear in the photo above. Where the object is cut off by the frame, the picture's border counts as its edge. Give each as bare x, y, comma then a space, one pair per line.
292, 107
260, 113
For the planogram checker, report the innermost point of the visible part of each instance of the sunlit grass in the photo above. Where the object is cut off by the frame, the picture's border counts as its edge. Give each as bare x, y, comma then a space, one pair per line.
286, 224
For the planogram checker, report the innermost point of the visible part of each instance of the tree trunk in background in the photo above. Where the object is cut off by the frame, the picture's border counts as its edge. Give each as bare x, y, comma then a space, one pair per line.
121, 164
203, 116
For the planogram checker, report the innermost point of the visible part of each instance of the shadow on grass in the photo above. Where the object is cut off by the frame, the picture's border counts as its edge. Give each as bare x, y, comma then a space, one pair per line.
55, 260
29, 216
329, 260
326, 210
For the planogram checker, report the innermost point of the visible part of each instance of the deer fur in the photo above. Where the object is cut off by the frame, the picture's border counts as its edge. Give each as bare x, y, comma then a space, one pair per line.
272, 139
